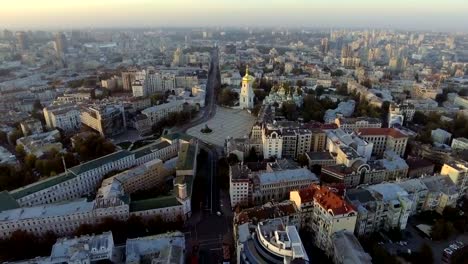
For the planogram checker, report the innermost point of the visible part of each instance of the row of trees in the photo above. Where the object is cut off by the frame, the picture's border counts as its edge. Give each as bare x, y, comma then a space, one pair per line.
458, 127
227, 97
174, 119
92, 146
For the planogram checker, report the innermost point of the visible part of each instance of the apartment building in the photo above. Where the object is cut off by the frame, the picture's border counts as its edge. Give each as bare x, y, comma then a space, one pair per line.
156, 113
272, 140
324, 213
384, 139
351, 124
64, 116
107, 119
457, 171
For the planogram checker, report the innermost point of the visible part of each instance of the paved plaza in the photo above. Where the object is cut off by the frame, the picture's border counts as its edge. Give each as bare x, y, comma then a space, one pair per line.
226, 123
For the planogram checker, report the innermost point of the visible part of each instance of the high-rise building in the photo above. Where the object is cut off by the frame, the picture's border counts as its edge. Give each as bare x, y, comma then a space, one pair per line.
22, 39
247, 95
60, 44
128, 77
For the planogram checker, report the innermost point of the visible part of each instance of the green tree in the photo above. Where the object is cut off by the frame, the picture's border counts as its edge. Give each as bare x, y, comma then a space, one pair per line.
3, 138
302, 160
425, 254
14, 135
30, 161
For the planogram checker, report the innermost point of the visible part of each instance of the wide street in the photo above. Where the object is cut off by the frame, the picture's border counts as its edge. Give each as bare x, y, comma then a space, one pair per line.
206, 228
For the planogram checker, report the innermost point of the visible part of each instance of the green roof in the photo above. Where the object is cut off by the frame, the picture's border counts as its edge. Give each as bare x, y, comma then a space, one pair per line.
154, 203
92, 164
150, 148
174, 136
7, 202
41, 185
186, 159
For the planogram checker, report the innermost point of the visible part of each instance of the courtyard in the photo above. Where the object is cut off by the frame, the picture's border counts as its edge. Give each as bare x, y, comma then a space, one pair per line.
226, 123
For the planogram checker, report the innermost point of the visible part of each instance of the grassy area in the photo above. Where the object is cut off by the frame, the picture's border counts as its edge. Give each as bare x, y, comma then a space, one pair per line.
125, 144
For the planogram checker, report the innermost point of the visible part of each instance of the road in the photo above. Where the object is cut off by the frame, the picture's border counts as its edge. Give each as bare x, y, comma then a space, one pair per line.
206, 228
213, 83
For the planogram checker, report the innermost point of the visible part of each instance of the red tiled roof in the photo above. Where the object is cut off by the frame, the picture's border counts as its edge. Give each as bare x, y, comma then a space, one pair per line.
395, 133
326, 198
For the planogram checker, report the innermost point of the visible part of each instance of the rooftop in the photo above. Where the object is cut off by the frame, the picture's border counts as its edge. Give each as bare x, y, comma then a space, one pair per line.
286, 175
162, 248
269, 210
187, 155
326, 198
392, 132
154, 203
92, 164
43, 211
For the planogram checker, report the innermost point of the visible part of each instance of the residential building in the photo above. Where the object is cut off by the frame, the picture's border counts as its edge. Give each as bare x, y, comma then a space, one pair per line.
6, 157
162, 248
65, 116
270, 241
397, 205
348, 250
138, 89
461, 101
442, 192
272, 140
457, 171
370, 210
460, 143
323, 159
246, 97
384, 139
324, 213
39, 144
128, 77
107, 119
418, 193
351, 124
272, 182
156, 113
348, 147
296, 142
31, 126
440, 136
418, 167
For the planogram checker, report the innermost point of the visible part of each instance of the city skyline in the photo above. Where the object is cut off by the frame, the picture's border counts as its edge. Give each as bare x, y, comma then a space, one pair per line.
53, 14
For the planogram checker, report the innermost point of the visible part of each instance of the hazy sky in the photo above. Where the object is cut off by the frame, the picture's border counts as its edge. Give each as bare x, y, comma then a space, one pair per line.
416, 14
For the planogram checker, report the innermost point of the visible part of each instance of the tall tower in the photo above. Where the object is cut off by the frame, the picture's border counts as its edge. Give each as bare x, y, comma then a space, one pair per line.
247, 95
60, 44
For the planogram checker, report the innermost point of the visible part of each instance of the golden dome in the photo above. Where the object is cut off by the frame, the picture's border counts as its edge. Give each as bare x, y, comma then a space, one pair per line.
247, 77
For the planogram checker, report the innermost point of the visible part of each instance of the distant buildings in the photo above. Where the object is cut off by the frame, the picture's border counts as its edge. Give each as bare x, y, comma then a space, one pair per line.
152, 115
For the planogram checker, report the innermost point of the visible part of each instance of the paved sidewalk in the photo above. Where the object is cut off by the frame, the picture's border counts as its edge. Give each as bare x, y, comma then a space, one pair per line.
226, 123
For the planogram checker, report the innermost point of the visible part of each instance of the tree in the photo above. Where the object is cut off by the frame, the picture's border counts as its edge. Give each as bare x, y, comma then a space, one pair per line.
232, 159
252, 155
289, 110
14, 135
37, 106
227, 97
3, 137
30, 161
425, 254
302, 160
319, 90
337, 73
93, 146
442, 230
